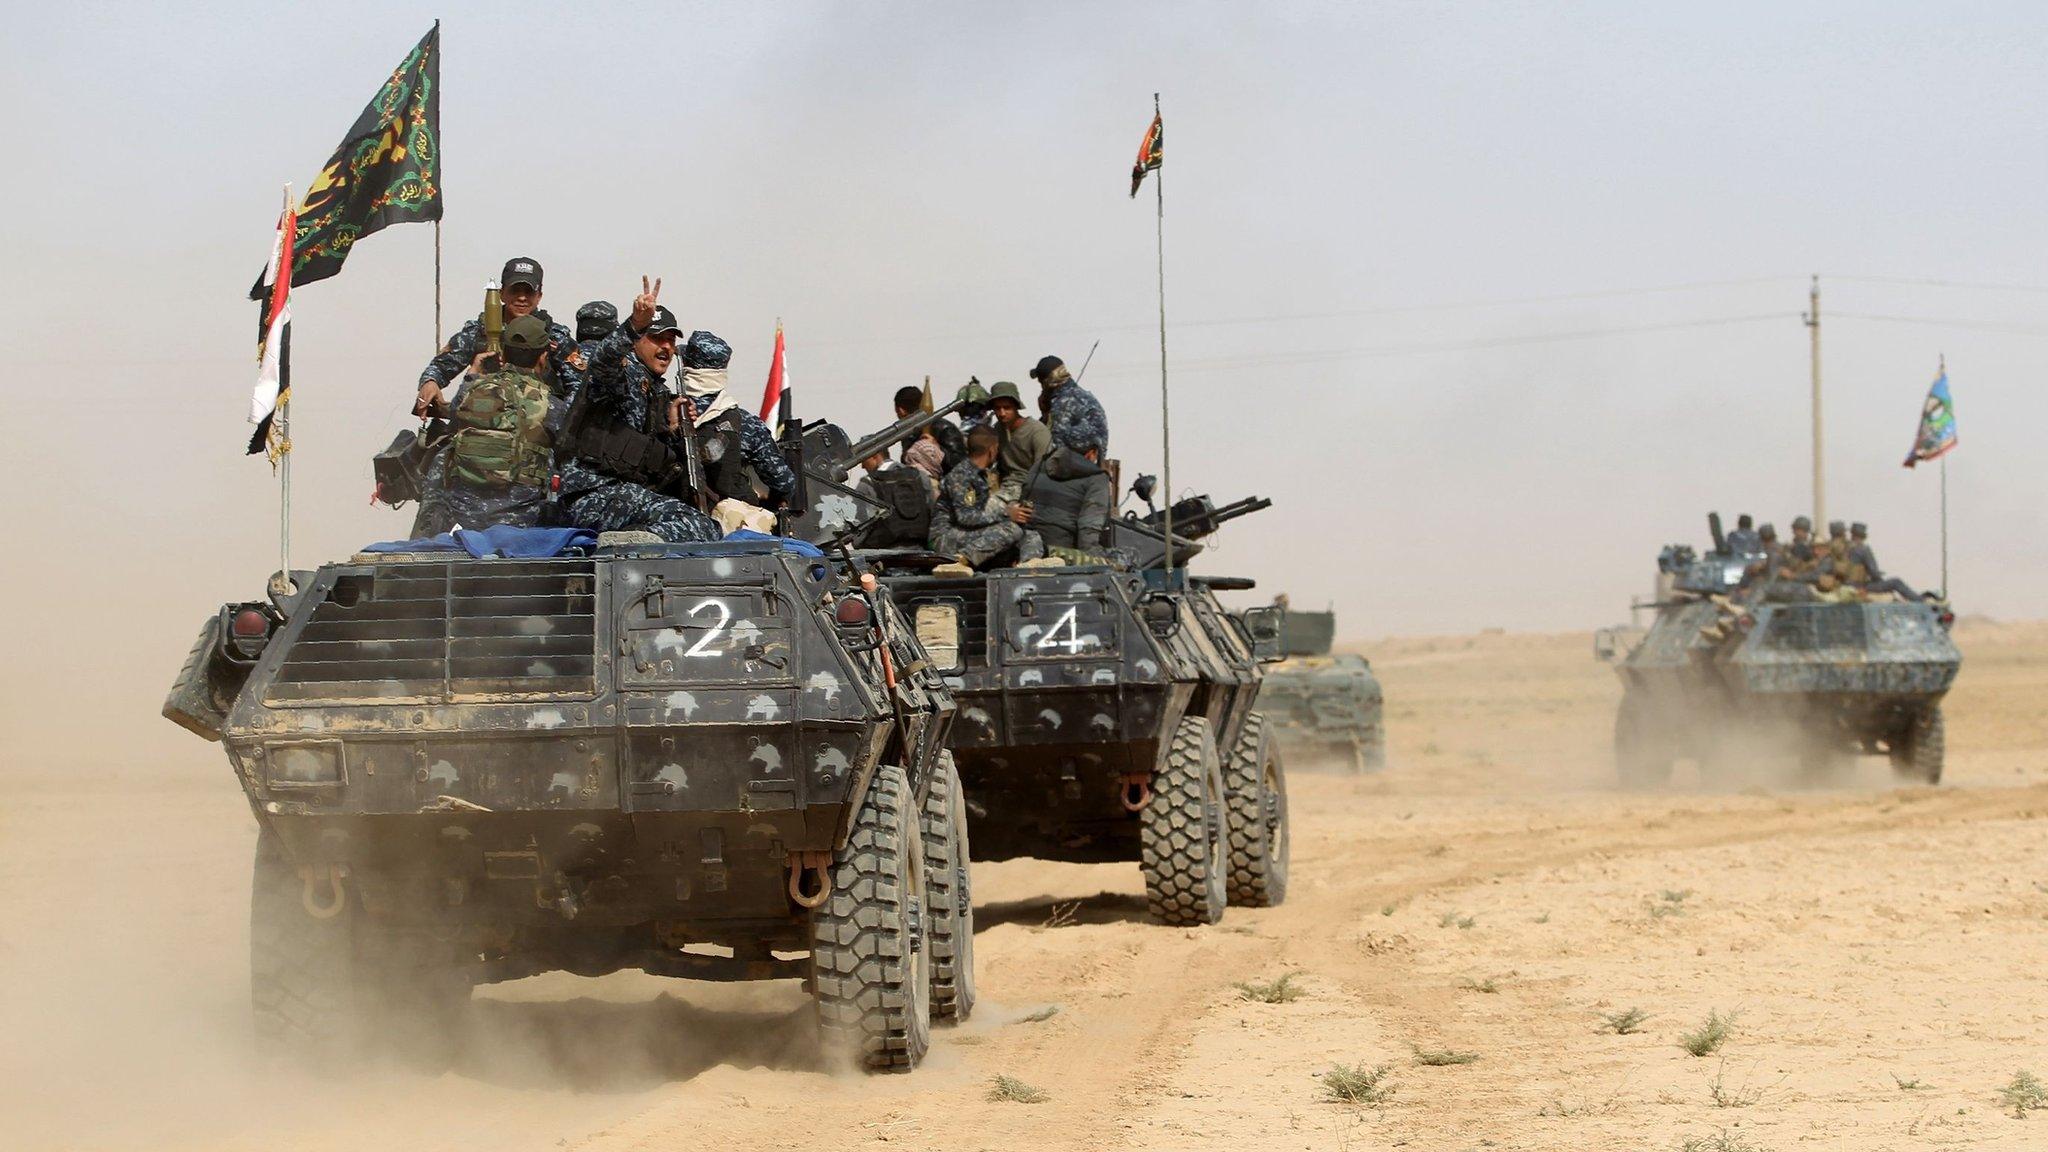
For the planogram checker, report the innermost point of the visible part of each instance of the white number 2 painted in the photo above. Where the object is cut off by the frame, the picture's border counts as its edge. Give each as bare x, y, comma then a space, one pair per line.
1068, 621
703, 645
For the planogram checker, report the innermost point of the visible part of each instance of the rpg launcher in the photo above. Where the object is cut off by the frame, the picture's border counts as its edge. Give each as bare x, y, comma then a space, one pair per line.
494, 326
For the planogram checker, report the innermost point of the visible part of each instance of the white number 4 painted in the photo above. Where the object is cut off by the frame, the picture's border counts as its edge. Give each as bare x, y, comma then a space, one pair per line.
1068, 621
703, 645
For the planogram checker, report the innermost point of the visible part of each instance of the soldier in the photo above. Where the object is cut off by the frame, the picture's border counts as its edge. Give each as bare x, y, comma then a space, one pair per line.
1069, 505
496, 464
518, 295
731, 440
1801, 558
1073, 414
1767, 541
619, 436
1025, 439
1863, 563
1744, 541
905, 495
594, 322
1837, 531
972, 522
946, 435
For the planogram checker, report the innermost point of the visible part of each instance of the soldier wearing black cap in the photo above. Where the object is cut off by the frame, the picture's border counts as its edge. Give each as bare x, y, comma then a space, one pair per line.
621, 430
518, 295
1072, 412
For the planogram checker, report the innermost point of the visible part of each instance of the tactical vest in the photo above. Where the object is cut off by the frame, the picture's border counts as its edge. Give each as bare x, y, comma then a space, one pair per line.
501, 435
907, 496
720, 447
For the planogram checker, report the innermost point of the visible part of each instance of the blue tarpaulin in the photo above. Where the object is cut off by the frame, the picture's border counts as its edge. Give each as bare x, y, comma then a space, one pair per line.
500, 540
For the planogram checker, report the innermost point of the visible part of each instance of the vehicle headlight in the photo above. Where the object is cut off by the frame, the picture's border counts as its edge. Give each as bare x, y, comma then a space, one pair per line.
304, 764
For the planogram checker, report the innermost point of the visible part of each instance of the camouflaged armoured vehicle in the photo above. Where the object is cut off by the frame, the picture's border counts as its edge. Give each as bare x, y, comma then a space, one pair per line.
1108, 714
1324, 704
1730, 654
710, 761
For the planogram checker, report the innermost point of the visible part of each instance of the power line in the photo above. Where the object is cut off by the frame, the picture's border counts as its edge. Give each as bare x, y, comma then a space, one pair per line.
1926, 282
1978, 325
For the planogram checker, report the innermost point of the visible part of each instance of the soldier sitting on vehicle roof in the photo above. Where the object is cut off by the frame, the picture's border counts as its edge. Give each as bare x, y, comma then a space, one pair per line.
1863, 567
1025, 439
1066, 508
732, 441
495, 467
972, 522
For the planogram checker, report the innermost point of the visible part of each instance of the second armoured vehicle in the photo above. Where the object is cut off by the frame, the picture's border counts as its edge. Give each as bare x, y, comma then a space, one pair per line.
1733, 653
717, 761
1323, 703
1108, 713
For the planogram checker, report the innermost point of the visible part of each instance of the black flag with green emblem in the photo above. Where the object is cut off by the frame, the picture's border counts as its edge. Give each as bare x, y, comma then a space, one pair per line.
387, 171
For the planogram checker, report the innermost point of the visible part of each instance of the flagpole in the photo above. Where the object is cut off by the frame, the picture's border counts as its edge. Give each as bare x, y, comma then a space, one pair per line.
1944, 500
1165, 421
283, 420
437, 219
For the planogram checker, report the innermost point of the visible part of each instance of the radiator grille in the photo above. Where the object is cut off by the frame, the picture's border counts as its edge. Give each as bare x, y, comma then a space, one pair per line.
967, 597
1809, 628
448, 631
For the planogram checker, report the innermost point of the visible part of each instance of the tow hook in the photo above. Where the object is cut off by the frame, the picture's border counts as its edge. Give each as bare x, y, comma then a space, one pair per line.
337, 896
810, 878
1135, 790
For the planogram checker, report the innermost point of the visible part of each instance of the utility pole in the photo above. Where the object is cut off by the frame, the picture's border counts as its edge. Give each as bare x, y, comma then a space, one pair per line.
1820, 492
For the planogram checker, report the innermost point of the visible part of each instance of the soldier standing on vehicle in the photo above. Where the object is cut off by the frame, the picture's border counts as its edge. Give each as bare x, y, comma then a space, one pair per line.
518, 295
1025, 439
1073, 414
972, 522
730, 439
620, 432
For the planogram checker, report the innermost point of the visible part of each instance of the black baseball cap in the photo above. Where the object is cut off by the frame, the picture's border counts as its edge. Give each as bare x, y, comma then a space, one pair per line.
1045, 367
520, 270
664, 321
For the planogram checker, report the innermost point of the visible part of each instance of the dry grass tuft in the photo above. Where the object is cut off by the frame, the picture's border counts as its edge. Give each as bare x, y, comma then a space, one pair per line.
1015, 1091
1281, 991
1708, 1037
1357, 1084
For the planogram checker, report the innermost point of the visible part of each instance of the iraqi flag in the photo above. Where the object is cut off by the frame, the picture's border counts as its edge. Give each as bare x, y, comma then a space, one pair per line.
274, 339
777, 390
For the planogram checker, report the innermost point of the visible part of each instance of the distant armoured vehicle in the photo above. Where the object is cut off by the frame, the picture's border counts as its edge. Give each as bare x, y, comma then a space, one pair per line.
1323, 703
1733, 652
1107, 714
713, 761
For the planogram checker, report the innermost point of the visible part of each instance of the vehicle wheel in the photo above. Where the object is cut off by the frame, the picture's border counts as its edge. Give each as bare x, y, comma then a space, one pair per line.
1257, 790
1641, 758
1919, 753
868, 972
414, 993
948, 895
302, 979
1180, 831
1373, 750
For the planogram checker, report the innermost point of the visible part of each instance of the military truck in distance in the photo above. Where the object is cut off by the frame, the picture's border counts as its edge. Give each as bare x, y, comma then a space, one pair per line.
1324, 704
1108, 714
711, 761
1731, 654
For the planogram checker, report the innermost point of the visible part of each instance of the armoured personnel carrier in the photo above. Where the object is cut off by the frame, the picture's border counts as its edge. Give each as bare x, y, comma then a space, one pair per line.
711, 761
1323, 703
1733, 653
1108, 714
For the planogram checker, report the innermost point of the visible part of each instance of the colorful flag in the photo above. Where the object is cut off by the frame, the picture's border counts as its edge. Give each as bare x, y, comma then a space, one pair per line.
1151, 153
273, 339
387, 170
778, 377
1937, 424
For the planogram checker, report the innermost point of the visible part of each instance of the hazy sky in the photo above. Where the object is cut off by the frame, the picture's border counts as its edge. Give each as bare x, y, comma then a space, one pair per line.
1362, 199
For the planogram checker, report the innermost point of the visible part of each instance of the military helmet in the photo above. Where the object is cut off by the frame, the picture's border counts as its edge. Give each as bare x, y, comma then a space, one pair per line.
1837, 528
1005, 390
1859, 530
1768, 531
972, 392
596, 320
1801, 524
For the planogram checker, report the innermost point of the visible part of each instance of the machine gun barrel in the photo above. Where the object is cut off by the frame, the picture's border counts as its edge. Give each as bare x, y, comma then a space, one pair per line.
1714, 530
896, 433
1196, 518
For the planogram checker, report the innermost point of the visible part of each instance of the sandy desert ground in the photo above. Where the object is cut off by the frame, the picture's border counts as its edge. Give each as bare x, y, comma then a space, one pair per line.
1883, 953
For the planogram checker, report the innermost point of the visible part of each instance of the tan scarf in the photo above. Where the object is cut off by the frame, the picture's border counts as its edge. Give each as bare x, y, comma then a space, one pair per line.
705, 388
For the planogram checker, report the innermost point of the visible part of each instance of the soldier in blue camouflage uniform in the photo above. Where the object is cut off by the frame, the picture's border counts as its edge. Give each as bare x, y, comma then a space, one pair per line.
707, 405
1072, 412
594, 321
638, 396
519, 295
972, 522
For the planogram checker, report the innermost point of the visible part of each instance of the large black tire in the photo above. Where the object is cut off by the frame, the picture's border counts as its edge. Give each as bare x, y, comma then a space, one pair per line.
868, 959
302, 977
1921, 750
1257, 789
948, 895
1180, 831
1642, 756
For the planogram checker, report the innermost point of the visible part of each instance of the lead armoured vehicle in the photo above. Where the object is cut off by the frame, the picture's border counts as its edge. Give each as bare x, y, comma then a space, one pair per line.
1108, 714
1323, 703
1732, 654
711, 761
